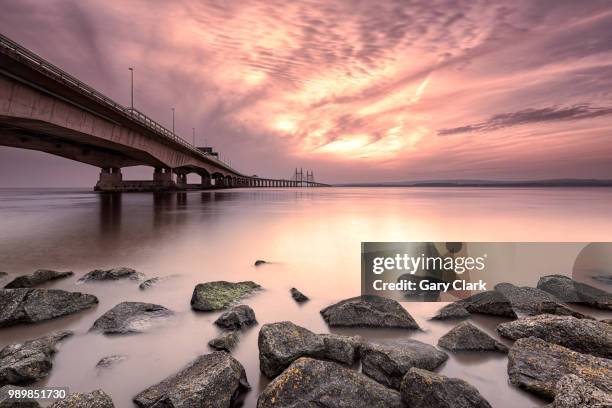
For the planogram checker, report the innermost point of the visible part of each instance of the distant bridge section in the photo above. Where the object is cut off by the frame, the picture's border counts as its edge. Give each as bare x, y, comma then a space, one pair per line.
46, 109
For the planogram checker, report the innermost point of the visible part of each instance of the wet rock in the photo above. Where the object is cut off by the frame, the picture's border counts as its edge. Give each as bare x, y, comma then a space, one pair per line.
3, 274
282, 343
467, 337
236, 318
110, 361
536, 366
582, 335
149, 283
30, 361
37, 278
343, 349
226, 341
533, 301
452, 311
5, 402
220, 294
488, 303
607, 279
368, 311
424, 389
312, 383
260, 262
212, 380
112, 274
572, 392
298, 296
131, 317
387, 363
94, 399
607, 321
35, 305
568, 290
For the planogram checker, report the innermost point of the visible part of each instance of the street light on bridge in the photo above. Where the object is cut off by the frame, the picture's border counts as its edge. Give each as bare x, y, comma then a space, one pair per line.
173, 121
193, 137
131, 88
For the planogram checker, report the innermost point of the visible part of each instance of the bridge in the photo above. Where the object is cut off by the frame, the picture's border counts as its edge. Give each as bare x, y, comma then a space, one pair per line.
46, 109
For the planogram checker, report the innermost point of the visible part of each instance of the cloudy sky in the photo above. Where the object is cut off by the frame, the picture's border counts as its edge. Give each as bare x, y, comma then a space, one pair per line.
355, 90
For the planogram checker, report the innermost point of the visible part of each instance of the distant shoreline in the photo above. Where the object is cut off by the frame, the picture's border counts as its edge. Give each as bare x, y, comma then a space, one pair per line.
486, 183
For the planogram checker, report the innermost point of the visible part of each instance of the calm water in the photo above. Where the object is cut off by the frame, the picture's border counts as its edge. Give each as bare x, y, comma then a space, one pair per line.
312, 236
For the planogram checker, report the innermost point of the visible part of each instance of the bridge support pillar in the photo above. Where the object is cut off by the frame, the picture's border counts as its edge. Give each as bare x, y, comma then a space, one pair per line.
110, 179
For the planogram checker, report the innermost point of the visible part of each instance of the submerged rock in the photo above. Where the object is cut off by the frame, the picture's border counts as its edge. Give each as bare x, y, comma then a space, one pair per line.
131, 317
212, 380
488, 303
35, 305
30, 361
226, 341
112, 274
536, 366
94, 399
424, 389
3, 274
110, 361
572, 392
220, 294
5, 402
38, 277
467, 337
533, 301
607, 279
238, 317
149, 283
388, 363
368, 311
568, 290
582, 335
312, 383
452, 311
298, 296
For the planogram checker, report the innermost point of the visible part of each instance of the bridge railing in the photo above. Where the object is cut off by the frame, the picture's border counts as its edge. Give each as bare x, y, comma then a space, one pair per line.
41, 64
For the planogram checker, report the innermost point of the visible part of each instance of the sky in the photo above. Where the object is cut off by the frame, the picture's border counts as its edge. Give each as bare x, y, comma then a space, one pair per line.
357, 91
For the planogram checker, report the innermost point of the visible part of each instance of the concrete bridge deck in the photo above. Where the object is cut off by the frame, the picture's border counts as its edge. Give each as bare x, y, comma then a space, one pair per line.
46, 109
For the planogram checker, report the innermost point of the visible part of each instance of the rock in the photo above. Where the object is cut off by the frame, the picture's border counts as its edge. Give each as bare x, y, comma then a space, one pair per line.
5, 402
387, 363
424, 389
112, 274
238, 317
220, 294
260, 262
572, 392
533, 301
37, 278
110, 361
343, 349
607, 321
298, 296
582, 335
131, 317
3, 274
488, 303
607, 279
212, 380
568, 290
94, 399
35, 305
314, 383
149, 283
368, 311
452, 311
226, 341
30, 361
282, 343
467, 337
536, 366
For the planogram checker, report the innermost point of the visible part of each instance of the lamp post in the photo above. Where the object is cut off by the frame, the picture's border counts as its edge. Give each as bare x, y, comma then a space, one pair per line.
193, 137
131, 88
173, 121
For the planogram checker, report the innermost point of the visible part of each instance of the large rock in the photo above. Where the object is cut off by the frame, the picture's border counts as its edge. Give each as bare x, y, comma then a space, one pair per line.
226, 341
212, 380
6, 402
236, 318
387, 363
131, 317
573, 392
38, 277
343, 349
112, 274
298, 296
452, 311
467, 337
424, 389
94, 399
35, 305
220, 294
532, 301
488, 303
30, 361
582, 335
368, 311
536, 366
568, 290
314, 383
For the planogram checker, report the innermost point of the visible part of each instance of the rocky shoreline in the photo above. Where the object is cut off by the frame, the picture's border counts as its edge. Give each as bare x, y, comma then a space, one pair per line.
558, 353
